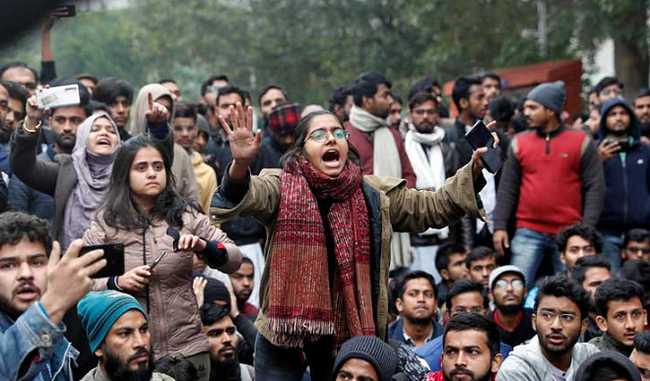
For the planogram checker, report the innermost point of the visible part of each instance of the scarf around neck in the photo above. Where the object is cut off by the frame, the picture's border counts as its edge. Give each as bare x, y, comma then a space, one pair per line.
385, 157
302, 307
93, 177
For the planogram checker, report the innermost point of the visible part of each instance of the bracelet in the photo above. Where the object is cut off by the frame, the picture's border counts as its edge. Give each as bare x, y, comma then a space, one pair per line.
35, 127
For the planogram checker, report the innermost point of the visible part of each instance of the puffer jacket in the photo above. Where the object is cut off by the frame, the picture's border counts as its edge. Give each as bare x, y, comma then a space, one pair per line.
391, 206
174, 319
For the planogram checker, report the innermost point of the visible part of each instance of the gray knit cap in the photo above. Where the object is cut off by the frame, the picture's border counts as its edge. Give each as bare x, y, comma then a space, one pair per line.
379, 354
550, 95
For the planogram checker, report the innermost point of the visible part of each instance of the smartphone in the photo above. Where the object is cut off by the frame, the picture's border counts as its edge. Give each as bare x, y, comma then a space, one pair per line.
65, 11
114, 255
157, 261
478, 137
59, 96
623, 145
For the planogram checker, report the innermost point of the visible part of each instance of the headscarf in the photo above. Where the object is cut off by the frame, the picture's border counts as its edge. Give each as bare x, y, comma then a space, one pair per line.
93, 177
139, 119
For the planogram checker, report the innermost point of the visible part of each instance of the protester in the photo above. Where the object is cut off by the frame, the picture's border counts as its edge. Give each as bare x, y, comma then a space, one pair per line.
156, 219
322, 165
480, 263
640, 356
608, 366
221, 333
243, 282
608, 88
118, 331
341, 102
432, 86
471, 349
35, 293
502, 110
172, 86
528, 185
88, 80
636, 245
365, 358
209, 91
117, 94
269, 97
591, 272
491, 83
621, 316
16, 113
395, 112
416, 304
451, 265
554, 353
282, 122
4, 102
20, 73
508, 288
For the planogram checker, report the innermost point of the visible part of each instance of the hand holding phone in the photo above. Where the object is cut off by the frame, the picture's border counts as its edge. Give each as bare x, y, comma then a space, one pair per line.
480, 137
59, 96
114, 255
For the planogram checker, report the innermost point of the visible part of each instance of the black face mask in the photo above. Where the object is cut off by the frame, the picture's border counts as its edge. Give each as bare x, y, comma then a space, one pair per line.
118, 371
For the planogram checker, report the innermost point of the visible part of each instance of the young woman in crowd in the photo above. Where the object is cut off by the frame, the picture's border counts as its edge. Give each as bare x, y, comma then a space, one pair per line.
328, 247
78, 182
146, 214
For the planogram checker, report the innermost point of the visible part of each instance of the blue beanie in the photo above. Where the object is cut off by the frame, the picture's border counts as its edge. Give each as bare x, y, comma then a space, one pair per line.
100, 310
549, 95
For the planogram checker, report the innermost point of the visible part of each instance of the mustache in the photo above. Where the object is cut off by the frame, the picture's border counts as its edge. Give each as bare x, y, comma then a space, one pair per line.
26, 285
457, 371
226, 346
139, 353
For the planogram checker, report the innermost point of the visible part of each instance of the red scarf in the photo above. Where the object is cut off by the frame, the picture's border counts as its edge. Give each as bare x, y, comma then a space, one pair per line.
301, 305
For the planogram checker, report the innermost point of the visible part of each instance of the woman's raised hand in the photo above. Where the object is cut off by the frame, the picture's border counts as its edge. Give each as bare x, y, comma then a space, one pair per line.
244, 143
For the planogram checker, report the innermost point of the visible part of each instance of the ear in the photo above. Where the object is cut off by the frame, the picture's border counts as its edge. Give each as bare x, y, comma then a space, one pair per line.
399, 304
496, 363
98, 352
533, 321
601, 322
337, 109
367, 101
444, 274
563, 258
464, 103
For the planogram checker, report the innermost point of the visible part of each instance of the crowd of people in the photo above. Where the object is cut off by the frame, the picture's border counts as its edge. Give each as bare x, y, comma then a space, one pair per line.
265, 239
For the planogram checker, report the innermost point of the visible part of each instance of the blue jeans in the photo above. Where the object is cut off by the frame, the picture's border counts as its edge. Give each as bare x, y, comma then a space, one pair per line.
273, 363
529, 248
612, 245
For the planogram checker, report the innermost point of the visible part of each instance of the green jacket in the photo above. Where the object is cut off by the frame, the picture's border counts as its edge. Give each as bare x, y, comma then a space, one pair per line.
392, 207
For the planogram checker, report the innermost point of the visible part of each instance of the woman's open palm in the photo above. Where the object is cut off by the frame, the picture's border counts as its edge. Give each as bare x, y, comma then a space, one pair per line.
244, 143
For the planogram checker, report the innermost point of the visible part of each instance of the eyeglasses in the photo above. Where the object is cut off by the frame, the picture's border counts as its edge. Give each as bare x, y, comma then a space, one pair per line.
183, 128
615, 91
320, 136
636, 249
565, 318
430, 112
516, 284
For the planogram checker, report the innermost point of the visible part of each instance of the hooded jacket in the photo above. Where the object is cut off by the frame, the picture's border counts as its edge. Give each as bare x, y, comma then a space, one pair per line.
527, 363
186, 183
627, 179
589, 369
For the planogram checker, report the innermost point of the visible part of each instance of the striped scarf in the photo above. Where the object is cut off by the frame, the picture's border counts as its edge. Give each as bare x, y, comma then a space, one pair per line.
302, 308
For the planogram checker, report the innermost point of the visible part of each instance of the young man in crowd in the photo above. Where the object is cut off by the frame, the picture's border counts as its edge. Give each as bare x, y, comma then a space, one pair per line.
20, 73
395, 113
471, 349
185, 130
481, 262
590, 272
636, 245
508, 288
608, 88
466, 296
209, 90
570, 167
433, 161
117, 94
243, 283
13, 115
450, 263
365, 358
491, 83
554, 353
621, 315
35, 293
173, 88
642, 111
282, 121
640, 356
269, 97
88, 80
416, 304
341, 102
222, 336
626, 164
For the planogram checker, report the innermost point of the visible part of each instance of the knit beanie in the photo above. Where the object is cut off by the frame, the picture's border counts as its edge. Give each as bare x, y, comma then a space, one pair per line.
214, 290
549, 95
98, 312
379, 354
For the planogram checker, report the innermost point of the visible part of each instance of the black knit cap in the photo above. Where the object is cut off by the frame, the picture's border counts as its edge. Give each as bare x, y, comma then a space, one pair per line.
379, 354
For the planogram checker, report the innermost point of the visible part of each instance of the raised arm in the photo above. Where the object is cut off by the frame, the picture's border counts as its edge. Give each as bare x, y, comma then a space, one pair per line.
244, 143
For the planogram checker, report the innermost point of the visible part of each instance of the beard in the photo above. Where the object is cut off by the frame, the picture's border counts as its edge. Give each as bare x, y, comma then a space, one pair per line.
116, 370
426, 320
225, 369
570, 342
508, 309
12, 310
66, 145
451, 376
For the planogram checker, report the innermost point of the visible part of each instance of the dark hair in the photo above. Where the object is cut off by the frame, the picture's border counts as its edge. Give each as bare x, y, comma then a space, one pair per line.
366, 86
19, 64
98, 106
461, 89
478, 253
417, 274
560, 285
340, 97
245, 259
424, 85
84, 94
444, 251
467, 321
501, 109
247, 96
644, 92
167, 80
212, 313
184, 110
269, 88
518, 123
464, 286
227, 90
208, 82
16, 225
16, 91
177, 367
300, 134
397, 99
616, 289
636, 235
127, 215
584, 231
608, 81
421, 98
607, 366
108, 89
89, 76
585, 263
636, 270
642, 342
491, 75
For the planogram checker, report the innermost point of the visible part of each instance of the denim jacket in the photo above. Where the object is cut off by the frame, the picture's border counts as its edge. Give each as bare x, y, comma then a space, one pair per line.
19, 341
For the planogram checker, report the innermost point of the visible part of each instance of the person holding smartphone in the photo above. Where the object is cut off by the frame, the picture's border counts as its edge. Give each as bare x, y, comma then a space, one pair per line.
626, 164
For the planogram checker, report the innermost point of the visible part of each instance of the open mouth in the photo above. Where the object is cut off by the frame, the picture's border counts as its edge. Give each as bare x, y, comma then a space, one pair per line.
556, 339
331, 158
104, 142
27, 293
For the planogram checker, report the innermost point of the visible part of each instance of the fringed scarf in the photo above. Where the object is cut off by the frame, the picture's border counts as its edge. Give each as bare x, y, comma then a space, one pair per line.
302, 308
